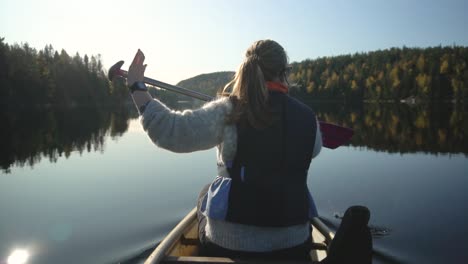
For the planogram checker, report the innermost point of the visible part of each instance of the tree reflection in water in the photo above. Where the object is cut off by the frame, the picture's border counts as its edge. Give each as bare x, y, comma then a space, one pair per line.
401, 128
28, 135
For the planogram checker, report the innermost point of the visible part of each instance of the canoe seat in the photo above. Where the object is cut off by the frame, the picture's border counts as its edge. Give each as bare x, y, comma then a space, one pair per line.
194, 242
319, 246
213, 260
188, 241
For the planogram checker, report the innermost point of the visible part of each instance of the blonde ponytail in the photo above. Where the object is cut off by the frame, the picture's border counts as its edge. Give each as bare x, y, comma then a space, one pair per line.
265, 60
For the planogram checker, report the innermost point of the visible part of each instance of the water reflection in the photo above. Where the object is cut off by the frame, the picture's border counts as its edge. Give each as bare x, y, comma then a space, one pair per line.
28, 135
401, 128
18, 256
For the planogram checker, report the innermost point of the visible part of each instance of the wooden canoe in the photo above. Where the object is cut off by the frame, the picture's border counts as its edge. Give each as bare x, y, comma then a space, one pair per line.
181, 244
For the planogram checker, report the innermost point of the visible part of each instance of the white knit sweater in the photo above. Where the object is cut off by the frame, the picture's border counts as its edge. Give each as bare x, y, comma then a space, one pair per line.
205, 128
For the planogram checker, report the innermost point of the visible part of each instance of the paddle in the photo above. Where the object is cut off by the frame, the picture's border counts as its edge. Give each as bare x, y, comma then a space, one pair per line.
333, 135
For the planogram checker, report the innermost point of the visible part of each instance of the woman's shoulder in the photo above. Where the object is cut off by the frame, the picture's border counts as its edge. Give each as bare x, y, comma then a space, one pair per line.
299, 104
219, 104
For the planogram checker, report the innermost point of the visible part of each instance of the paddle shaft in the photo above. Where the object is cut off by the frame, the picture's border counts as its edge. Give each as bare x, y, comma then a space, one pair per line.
333, 136
172, 88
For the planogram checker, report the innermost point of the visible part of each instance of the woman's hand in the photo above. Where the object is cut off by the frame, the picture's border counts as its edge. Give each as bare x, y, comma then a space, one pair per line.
136, 71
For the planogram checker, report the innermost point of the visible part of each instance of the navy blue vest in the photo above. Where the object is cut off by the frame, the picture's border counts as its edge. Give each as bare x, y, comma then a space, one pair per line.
269, 172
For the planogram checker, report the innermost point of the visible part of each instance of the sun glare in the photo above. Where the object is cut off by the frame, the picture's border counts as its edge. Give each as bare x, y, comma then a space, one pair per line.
18, 256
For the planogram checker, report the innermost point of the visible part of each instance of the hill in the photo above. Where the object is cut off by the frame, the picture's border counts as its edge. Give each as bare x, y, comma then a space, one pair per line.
209, 83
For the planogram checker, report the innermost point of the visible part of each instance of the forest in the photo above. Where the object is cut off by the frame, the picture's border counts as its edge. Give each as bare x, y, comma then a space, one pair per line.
396, 74
53, 78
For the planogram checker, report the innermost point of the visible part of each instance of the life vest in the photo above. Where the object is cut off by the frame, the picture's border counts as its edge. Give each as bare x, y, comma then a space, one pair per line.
269, 173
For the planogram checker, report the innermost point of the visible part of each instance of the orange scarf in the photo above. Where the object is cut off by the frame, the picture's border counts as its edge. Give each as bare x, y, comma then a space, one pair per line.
277, 87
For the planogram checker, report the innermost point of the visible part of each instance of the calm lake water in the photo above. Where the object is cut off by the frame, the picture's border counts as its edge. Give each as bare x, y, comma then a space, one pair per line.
86, 186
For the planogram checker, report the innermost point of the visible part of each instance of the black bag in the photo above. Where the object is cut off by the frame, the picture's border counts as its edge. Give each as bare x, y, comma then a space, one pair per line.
353, 241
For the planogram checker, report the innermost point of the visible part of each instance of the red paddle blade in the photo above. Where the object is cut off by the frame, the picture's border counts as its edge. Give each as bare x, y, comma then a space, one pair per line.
334, 136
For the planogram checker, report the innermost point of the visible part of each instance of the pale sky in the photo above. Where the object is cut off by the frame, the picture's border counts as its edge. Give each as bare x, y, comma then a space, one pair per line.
182, 39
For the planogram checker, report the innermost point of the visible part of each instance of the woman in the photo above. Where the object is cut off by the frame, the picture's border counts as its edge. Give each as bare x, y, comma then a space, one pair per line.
259, 204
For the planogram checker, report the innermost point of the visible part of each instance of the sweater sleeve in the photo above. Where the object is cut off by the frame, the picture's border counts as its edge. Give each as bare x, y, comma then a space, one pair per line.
188, 130
318, 141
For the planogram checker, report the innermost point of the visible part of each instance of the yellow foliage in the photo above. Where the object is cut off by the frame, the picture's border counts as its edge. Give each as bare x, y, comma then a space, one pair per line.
377, 113
357, 75
378, 89
456, 85
328, 84
442, 136
353, 117
309, 74
324, 75
354, 85
310, 87
424, 81
368, 120
444, 67
421, 63
380, 76
460, 67
455, 119
345, 77
421, 121
421, 80
350, 68
395, 119
370, 82
334, 77
394, 77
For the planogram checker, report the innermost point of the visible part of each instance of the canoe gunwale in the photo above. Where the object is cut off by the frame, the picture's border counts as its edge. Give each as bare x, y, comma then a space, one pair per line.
323, 229
161, 251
